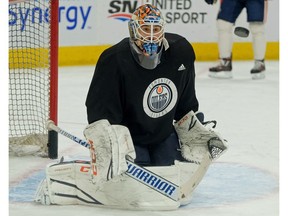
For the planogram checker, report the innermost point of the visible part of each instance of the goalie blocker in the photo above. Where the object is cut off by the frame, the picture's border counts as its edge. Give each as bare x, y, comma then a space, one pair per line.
69, 180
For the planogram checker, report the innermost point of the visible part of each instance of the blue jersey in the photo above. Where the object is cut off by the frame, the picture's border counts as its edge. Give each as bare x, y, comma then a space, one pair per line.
231, 9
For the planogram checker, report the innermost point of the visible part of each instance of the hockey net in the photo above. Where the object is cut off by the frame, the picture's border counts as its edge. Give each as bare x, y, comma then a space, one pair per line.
33, 72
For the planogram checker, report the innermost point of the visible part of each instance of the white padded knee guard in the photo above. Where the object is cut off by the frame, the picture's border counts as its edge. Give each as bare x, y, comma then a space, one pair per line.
225, 38
259, 41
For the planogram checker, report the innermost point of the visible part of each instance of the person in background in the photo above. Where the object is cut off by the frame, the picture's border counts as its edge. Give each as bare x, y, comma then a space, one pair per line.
228, 13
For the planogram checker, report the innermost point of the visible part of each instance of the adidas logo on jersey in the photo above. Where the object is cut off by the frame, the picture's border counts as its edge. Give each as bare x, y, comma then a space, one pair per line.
182, 67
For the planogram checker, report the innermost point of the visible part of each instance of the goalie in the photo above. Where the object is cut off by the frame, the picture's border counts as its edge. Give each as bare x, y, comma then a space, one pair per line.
144, 83
140, 103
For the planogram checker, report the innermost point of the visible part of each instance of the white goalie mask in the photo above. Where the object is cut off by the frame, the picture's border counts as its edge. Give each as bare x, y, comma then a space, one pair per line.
146, 29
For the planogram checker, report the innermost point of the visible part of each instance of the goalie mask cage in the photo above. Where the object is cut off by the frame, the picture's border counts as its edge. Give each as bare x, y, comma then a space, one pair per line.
33, 77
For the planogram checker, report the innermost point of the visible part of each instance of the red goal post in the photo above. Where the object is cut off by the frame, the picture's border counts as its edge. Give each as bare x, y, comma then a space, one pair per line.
33, 76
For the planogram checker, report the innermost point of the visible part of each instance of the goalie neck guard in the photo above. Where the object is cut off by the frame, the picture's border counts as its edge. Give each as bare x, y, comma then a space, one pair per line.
146, 29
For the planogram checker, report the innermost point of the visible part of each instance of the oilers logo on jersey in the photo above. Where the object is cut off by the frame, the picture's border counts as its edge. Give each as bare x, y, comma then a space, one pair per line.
160, 97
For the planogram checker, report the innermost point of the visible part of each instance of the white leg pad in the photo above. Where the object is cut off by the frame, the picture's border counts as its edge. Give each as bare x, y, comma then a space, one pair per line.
68, 182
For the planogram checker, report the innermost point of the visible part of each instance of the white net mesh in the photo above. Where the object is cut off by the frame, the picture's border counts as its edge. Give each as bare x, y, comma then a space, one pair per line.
29, 77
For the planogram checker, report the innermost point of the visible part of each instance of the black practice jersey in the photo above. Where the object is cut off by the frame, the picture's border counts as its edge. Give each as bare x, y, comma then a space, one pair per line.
145, 101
